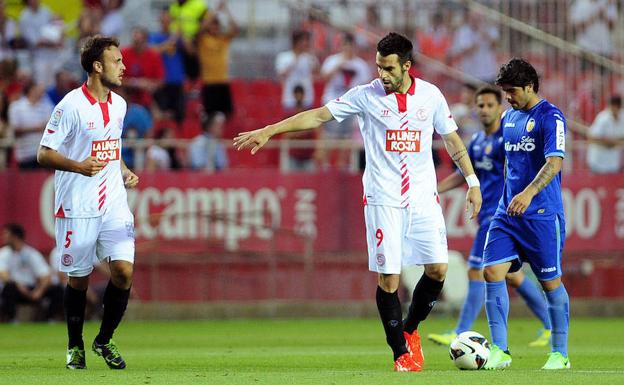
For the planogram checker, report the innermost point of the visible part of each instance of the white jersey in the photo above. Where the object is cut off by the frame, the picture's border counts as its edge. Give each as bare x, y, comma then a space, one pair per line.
81, 127
24, 267
398, 132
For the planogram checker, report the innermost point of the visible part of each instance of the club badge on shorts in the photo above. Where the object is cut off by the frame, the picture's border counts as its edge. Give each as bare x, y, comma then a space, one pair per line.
67, 260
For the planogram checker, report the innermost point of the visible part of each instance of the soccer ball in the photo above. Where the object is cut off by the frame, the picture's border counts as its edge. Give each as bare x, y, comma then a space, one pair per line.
469, 351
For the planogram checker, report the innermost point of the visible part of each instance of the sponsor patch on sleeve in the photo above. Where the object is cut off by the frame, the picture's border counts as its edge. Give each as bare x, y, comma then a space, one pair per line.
55, 119
560, 135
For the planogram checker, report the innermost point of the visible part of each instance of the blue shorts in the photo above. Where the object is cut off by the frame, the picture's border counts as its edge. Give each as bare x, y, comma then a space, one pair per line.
518, 240
475, 260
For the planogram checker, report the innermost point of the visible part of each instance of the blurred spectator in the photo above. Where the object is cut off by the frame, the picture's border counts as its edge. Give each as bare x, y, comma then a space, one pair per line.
136, 125
64, 81
170, 96
144, 69
206, 151
43, 33
473, 48
435, 40
368, 32
162, 156
28, 117
26, 277
112, 23
213, 50
300, 159
8, 33
464, 112
322, 37
594, 22
297, 67
341, 71
606, 139
186, 17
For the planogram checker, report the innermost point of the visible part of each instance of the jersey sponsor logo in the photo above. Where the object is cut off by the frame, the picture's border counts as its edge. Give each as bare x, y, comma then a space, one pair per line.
526, 144
560, 135
484, 164
423, 114
106, 150
402, 141
548, 269
510, 124
55, 119
530, 125
67, 260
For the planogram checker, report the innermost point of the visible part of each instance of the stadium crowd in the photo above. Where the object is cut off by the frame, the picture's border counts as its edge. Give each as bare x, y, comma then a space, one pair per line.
179, 87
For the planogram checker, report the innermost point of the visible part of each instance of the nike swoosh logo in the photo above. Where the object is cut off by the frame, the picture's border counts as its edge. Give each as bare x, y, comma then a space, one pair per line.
469, 347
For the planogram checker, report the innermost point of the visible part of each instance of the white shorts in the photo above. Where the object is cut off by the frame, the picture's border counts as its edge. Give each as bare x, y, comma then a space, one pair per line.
399, 237
109, 238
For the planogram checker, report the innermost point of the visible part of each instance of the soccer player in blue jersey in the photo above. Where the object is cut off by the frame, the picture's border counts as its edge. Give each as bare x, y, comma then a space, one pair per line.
487, 151
528, 225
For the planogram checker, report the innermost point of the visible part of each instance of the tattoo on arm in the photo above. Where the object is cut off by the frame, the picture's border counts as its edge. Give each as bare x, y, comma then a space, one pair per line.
544, 177
458, 156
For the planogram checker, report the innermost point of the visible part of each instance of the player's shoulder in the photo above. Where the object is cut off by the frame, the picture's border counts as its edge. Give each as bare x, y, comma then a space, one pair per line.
549, 110
477, 137
116, 98
71, 101
5, 251
373, 88
423, 86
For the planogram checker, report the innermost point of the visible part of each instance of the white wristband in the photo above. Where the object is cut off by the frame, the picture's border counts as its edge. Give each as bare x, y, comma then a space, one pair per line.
472, 181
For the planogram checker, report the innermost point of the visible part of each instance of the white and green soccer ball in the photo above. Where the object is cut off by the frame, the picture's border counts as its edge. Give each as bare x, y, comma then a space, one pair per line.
469, 351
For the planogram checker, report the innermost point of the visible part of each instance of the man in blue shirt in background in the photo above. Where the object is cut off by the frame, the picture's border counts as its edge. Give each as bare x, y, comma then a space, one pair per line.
528, 225
487, 151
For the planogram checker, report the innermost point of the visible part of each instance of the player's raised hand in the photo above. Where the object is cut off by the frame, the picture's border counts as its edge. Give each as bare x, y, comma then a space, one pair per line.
473, 200
255, 139
91, 166
130, 178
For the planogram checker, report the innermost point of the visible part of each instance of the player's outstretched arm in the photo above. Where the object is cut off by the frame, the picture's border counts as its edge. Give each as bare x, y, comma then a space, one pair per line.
456, 149
50, 158
305, 120
520, 203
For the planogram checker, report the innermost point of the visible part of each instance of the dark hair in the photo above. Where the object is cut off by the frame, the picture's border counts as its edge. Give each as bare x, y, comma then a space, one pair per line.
93, 49
518, 73
16, 230
299, 35
615, 100
393, 43
298, 88
490, 90
349, 38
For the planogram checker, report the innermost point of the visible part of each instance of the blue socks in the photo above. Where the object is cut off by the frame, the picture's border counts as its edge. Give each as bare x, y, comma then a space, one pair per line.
472, 306
559, 311
534, 299
497, 310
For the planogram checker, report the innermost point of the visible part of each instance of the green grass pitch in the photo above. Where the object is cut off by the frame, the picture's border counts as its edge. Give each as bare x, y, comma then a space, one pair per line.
293, 352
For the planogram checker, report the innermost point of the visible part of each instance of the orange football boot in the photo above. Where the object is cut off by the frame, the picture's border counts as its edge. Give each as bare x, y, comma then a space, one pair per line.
414, 347
405, 363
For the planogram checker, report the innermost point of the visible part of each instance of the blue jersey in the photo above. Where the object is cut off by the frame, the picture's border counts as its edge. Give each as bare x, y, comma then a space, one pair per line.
530, 137
487, 153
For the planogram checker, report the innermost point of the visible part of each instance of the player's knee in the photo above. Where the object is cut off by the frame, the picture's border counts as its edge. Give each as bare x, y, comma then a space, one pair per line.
121, 274
437, 271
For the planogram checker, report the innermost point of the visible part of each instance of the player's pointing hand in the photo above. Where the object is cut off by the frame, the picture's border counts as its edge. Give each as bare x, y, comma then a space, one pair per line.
255, 139
91, 166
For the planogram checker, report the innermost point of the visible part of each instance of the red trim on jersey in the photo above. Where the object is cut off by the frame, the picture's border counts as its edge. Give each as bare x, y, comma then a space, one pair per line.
105, 116
60, 213
364, 200
402, 102
91, 98
402, 98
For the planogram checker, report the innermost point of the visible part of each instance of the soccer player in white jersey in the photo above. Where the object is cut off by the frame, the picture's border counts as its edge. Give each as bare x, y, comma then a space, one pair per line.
397, 115
82, 142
